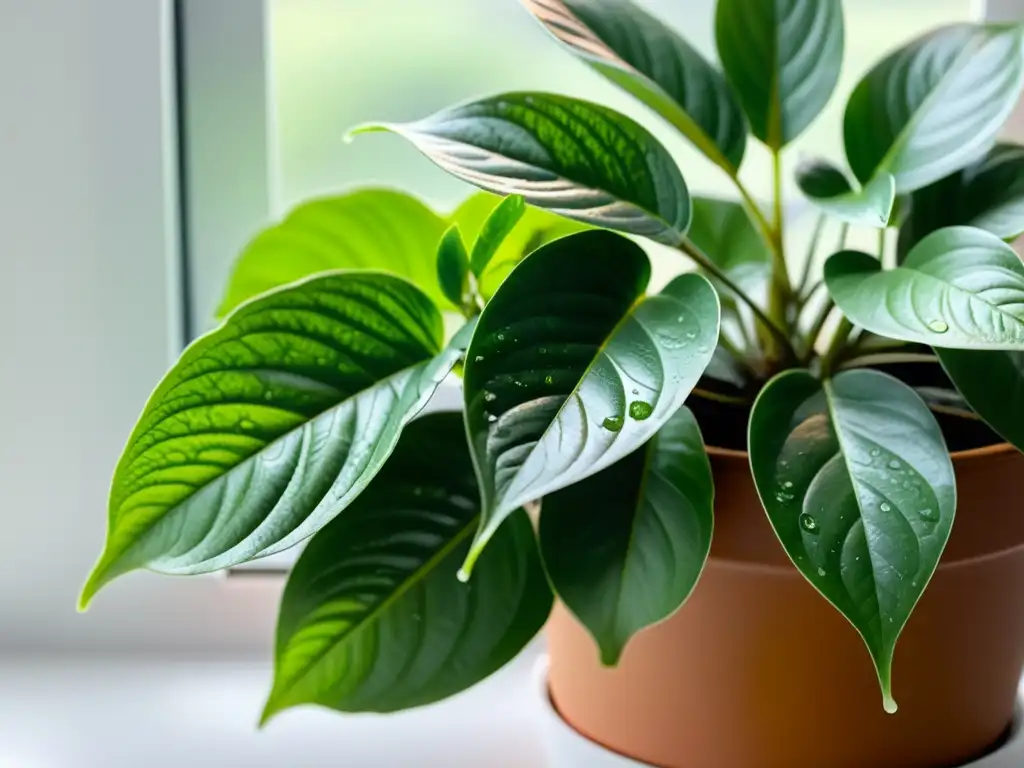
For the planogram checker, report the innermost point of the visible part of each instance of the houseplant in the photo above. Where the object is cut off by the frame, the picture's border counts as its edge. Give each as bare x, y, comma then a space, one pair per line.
294, 420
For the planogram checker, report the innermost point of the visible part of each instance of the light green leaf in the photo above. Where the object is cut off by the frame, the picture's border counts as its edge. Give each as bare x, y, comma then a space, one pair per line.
453, 267
498, 226
269, 426
988, 194
625, 547
373, 618
782, 59
571, 157
571, 368
830, 191
366, 229
649, 60
534, 229
935, 105
992, 382
960, 287
858, 485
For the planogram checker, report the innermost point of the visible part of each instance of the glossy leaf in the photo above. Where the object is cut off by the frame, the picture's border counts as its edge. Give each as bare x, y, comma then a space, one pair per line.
992, 382
373, 618
572, 369
858, 485
366, 229
829, 190
649, 60
534, 229
782, 59
960, 287
625, 547
453, 267
988, 194
570, 157
269, 426
498, 226
935, 105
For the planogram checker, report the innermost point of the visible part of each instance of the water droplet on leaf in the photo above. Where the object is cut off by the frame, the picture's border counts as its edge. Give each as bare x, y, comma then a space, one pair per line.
821, 571
894, 464
939, 326
640, 410
490, 397
549, 380
885, 507
491, 418
501, 337
787, 485
612, 423
808, 523
875, 451
691, 334
478, 359
929, 515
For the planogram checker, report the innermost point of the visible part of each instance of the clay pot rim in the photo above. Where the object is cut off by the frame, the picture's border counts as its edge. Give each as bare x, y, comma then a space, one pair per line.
789, 569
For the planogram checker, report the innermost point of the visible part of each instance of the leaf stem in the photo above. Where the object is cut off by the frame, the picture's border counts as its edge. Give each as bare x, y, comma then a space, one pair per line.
711, 268
837, 346
817, 327
812, 250
780, 289
888, 358
707, 394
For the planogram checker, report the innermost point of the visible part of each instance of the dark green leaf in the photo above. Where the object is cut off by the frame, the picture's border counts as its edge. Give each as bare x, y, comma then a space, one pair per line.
859, 486
934, 105
829, 189
373, 618
571, 368
960, 287
988, 194
624, 548
647, 59
269, 426
992, 382
534, 229
571, 157
453, 267
782, 59
366, 229
498, 226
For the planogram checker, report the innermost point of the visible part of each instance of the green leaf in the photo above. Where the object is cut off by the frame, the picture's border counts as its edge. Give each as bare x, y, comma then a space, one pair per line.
830, 191
647, 59
536, 228
571, 157
859, 487
625, 547
782, 59
960, 287
269, 426
934, 105
571, 368
367, 229
453, 267
992, 382
498, 226
373, 618
988, 194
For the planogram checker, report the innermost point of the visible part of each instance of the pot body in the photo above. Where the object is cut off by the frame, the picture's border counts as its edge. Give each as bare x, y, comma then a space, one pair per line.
757, 670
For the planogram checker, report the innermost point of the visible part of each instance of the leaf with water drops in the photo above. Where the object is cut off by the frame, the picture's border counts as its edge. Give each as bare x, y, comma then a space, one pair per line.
858, 484
649, 60
374, 620
935, 105
830, 191
992, 383
782, 59
270, 425
570, 157
988, 194
365, 229
572, 368
625, 547
959, 288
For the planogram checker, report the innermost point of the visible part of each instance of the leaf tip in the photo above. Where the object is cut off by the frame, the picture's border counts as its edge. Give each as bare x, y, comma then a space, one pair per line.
270, 711
100, 576
363, 128
610, 655
889, 703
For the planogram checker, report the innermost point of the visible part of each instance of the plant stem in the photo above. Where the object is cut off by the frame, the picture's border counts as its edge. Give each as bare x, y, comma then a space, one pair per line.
812, 250
888, 358
881, 249
711, 268
780, 290
817, 327
707, 394
837, 346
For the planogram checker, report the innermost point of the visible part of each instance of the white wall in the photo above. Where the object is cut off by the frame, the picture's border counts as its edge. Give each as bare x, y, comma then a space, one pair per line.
84, 324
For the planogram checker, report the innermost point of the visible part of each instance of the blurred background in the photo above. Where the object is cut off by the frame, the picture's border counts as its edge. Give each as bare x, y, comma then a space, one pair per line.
142, 143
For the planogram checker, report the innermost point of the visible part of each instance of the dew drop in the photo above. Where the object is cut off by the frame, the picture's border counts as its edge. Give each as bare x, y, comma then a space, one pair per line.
640, 410
875, 451
613, 423
787, 485
913, 584
939, 326
821, 571
894, 464
490, 397
478, 359
702, 349
681, 319
491, 418
691, 334
636, 391
501, 337
885, 507
549, 380
783, 498
808, 523
928, 515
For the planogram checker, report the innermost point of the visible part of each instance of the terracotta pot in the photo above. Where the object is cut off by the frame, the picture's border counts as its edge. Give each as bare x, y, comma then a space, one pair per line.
758, 671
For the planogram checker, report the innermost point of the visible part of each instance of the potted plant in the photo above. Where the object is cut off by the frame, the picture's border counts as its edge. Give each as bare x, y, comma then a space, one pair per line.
861, 411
